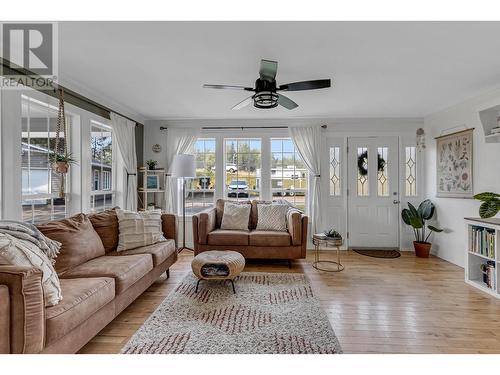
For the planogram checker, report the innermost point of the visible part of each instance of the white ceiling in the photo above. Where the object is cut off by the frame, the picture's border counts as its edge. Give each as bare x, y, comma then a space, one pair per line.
378, 69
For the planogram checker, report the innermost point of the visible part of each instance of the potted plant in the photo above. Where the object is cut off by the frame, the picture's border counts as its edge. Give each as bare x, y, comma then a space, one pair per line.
332, 234
62, 161
151, 164
417, 217
490, 204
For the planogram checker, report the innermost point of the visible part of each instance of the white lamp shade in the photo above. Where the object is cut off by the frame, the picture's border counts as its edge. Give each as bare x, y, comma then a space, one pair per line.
183, 166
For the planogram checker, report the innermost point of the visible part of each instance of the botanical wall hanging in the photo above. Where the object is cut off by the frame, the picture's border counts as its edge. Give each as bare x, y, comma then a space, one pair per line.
454, 165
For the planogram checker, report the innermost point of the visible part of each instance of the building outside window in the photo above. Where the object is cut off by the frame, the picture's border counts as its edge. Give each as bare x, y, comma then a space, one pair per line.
288, 173
200, 192
41, 184
242, 168
101, 152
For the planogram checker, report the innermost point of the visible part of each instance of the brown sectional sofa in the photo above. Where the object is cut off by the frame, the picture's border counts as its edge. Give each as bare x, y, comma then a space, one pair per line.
252, 244
94, 291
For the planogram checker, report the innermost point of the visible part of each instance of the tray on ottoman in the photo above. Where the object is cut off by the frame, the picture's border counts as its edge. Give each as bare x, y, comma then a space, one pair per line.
218, 265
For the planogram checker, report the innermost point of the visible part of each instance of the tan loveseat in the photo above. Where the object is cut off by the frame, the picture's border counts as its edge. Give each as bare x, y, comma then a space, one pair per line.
95, 287
252, 244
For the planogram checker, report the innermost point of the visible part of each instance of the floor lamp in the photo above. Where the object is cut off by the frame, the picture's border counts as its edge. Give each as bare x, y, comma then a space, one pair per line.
183, 167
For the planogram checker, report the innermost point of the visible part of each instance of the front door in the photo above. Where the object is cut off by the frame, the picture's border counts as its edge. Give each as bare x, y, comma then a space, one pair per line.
373, 192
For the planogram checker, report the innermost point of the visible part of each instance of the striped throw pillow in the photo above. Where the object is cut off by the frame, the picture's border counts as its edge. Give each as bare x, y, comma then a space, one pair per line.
137, 229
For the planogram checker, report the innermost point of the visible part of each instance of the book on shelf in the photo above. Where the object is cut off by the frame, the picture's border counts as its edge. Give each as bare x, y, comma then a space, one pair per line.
482, 241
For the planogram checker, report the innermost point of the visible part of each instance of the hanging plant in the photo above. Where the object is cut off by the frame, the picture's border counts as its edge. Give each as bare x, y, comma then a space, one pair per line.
61, 158
62, 162
363, 160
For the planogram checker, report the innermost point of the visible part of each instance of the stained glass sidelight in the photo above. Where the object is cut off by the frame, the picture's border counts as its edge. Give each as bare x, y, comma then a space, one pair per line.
335, 183
382, 174
411, 171
362, 178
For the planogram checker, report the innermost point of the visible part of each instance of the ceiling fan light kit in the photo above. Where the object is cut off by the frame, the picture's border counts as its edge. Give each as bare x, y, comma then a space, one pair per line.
266, 95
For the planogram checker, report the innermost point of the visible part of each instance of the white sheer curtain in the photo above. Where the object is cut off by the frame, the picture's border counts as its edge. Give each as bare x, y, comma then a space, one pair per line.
307, 141
179, 141
124, 133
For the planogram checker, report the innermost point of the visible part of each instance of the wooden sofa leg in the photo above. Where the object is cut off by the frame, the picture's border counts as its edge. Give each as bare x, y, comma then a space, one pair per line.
168, 273
289, 264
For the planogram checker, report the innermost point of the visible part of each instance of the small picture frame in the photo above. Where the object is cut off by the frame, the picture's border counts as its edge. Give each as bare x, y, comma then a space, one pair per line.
152, 182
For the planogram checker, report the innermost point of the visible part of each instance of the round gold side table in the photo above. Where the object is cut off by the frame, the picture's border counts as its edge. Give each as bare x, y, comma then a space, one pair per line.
327, 242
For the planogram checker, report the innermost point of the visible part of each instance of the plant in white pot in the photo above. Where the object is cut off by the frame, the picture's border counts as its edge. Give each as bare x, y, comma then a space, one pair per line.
416, 218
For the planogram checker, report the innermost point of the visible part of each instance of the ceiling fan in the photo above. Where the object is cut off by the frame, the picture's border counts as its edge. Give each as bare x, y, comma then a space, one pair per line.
265, 92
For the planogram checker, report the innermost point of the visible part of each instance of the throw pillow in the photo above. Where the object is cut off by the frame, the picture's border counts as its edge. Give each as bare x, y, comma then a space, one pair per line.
80, 242
26, 254
138, 229
105, 224
235, 216
272, 217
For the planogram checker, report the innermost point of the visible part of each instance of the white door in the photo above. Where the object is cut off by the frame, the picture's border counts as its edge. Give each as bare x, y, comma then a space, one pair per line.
373, 192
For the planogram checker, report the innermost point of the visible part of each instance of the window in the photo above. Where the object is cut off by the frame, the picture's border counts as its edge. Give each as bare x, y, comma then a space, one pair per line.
410, 171
288, 173
41, 184
101, 151
362, 172
201, 190
106, 180
242, 168
382, 176
335, 179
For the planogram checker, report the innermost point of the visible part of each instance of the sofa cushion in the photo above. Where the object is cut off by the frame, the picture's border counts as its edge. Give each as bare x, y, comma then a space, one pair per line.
272, 217
80, 242
105, 224
254, 214
138, 229
235, 216
82, 298
228, 237
126, 270
160, 251
219, 210
266, 238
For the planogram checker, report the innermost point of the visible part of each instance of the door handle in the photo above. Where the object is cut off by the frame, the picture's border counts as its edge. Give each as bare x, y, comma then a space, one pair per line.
395, 201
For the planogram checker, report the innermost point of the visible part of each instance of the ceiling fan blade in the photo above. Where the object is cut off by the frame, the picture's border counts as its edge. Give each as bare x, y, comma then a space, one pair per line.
243, 103
306, 85
286, 102
268, 69
227, 87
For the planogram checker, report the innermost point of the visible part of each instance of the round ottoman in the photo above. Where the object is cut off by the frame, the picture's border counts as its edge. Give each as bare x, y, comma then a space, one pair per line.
217, 265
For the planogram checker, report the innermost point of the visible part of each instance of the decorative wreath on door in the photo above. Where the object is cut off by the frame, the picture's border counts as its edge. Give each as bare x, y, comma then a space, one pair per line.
363, 160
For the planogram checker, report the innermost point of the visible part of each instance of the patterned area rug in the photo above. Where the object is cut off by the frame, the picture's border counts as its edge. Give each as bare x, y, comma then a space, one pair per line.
378, 253
270, 313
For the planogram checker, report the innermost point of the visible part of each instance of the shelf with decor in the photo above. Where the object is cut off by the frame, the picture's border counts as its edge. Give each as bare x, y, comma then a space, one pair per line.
490, 119
151, 188
482, 261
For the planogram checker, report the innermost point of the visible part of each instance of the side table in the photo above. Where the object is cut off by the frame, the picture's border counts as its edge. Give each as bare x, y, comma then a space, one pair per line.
319, 240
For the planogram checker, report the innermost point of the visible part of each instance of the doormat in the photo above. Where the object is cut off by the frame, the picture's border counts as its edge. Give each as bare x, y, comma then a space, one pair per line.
378, 253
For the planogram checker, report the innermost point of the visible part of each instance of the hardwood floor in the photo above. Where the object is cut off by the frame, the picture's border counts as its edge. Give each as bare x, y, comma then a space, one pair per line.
403, 305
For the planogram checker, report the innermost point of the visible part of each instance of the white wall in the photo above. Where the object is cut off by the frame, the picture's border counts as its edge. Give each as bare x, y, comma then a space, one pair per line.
338, 131
486, 173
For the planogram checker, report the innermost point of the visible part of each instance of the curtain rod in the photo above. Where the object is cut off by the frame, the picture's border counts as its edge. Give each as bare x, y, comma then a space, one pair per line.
235, 127
70, 96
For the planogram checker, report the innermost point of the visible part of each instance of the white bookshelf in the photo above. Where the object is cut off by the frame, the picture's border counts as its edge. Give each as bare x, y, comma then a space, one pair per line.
474, 258
148, 195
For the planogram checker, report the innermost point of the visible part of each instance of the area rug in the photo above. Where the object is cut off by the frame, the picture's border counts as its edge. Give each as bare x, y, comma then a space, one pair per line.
378, 253
275, 313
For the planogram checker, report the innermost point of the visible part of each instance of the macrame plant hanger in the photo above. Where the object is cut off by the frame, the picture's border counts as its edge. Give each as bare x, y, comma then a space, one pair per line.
61, 149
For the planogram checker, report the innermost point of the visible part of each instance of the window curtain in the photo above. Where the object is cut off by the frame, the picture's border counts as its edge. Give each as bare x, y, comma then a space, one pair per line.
179, 141
307, 141
124, 133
